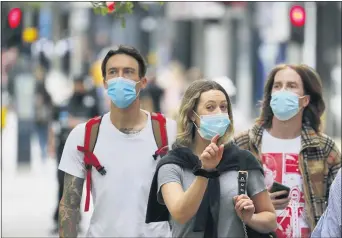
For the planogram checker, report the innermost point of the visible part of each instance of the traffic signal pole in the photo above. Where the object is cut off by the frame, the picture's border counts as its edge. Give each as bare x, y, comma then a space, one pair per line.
24, 96
310, 32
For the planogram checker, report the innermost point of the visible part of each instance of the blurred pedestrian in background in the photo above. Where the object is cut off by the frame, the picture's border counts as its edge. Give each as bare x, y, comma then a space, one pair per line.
152, 95
43, 111
173, 81
289, 130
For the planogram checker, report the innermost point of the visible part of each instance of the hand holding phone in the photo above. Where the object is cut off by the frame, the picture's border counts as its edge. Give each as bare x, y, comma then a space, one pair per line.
279, 195
277, 187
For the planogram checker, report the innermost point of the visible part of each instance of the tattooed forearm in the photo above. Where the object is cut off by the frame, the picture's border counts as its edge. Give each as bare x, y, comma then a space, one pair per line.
69, 207
129, 130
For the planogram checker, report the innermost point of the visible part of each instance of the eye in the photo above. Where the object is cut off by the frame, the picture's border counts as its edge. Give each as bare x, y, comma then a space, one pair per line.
128, 71
112, 71
210, 107
223, 107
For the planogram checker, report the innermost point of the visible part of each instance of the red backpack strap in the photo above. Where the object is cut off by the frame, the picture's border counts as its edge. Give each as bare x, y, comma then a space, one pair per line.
160, 133
91, 132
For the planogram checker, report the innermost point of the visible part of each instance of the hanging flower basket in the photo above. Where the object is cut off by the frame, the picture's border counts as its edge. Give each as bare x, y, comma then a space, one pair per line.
118, 9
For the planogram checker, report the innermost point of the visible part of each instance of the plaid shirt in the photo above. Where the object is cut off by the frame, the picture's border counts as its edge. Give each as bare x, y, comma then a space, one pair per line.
330, 223
319, 162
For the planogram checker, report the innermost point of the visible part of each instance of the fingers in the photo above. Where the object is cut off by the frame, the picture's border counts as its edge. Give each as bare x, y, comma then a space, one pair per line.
280, 202
212, 149
212, 154
250, 207
215, 139
279, 193
206, 155
239, 197
244, 204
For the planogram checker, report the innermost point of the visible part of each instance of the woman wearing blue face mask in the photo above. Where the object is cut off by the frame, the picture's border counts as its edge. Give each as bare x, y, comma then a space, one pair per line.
196, 183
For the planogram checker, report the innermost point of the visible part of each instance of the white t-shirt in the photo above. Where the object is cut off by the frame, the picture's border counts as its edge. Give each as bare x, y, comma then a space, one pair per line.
120, 197
280, 162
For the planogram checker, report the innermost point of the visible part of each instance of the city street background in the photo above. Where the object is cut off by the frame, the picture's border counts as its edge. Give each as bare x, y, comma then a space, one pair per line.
55, 43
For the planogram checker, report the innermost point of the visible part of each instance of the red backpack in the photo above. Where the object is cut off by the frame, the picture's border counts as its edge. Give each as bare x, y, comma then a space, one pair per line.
90, 137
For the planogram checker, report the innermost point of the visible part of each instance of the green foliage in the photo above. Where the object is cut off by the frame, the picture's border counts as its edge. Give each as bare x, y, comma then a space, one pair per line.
34, 4
121, 9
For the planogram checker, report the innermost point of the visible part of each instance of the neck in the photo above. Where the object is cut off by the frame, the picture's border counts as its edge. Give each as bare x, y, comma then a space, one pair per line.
199, 145
289, 129
127, 118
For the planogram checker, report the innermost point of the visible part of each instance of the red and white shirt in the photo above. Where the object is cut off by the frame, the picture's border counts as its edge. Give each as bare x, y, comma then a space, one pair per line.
280, 162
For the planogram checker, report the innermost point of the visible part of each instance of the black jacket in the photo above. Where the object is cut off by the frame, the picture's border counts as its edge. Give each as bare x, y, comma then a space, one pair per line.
207, 215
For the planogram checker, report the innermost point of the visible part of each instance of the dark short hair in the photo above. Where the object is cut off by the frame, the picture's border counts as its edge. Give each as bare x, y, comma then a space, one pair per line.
312, 85
125, 50
80, 78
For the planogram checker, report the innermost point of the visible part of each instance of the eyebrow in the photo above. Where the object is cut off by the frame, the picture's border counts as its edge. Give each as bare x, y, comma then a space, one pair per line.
289, 82
130, 68
212, 101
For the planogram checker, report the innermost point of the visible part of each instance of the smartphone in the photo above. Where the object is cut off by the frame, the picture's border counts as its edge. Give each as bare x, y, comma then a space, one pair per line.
276, 187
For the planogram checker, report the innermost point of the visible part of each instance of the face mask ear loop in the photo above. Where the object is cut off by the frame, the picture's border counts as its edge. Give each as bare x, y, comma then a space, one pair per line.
195, 125
196, 114
301, 106
198, 118
139, 90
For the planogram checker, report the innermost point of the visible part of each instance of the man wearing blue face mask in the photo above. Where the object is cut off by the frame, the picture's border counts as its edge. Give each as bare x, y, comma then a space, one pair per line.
288, 141
117, 156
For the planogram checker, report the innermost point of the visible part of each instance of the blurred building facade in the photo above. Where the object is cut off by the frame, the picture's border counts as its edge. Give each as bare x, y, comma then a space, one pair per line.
241, 40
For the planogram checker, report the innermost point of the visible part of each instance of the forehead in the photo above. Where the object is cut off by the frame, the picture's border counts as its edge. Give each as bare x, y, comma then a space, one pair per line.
287, 75
122, 61
212, 95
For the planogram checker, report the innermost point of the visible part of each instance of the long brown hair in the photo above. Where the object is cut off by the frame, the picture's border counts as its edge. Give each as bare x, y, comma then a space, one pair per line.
312, 85
186, 128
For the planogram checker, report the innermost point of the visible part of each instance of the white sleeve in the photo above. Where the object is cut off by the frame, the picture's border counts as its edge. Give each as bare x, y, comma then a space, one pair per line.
171, 127
72, 159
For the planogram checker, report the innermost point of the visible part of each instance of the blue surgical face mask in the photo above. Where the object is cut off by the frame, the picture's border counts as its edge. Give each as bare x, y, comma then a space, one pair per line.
211, 125
284, 104
122, 91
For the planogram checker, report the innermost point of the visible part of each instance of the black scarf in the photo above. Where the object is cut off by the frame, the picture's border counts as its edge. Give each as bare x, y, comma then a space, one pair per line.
207, 215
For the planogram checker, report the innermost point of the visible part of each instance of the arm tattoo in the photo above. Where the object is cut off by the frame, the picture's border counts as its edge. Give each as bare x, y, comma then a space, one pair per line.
69, 206
129, 130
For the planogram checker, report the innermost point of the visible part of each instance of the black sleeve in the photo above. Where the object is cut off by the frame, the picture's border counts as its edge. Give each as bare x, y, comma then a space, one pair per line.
55, 113
96, 110
70, 108
249, 162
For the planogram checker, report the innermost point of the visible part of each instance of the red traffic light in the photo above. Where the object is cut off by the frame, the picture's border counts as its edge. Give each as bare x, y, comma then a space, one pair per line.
14, 17
297, 16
